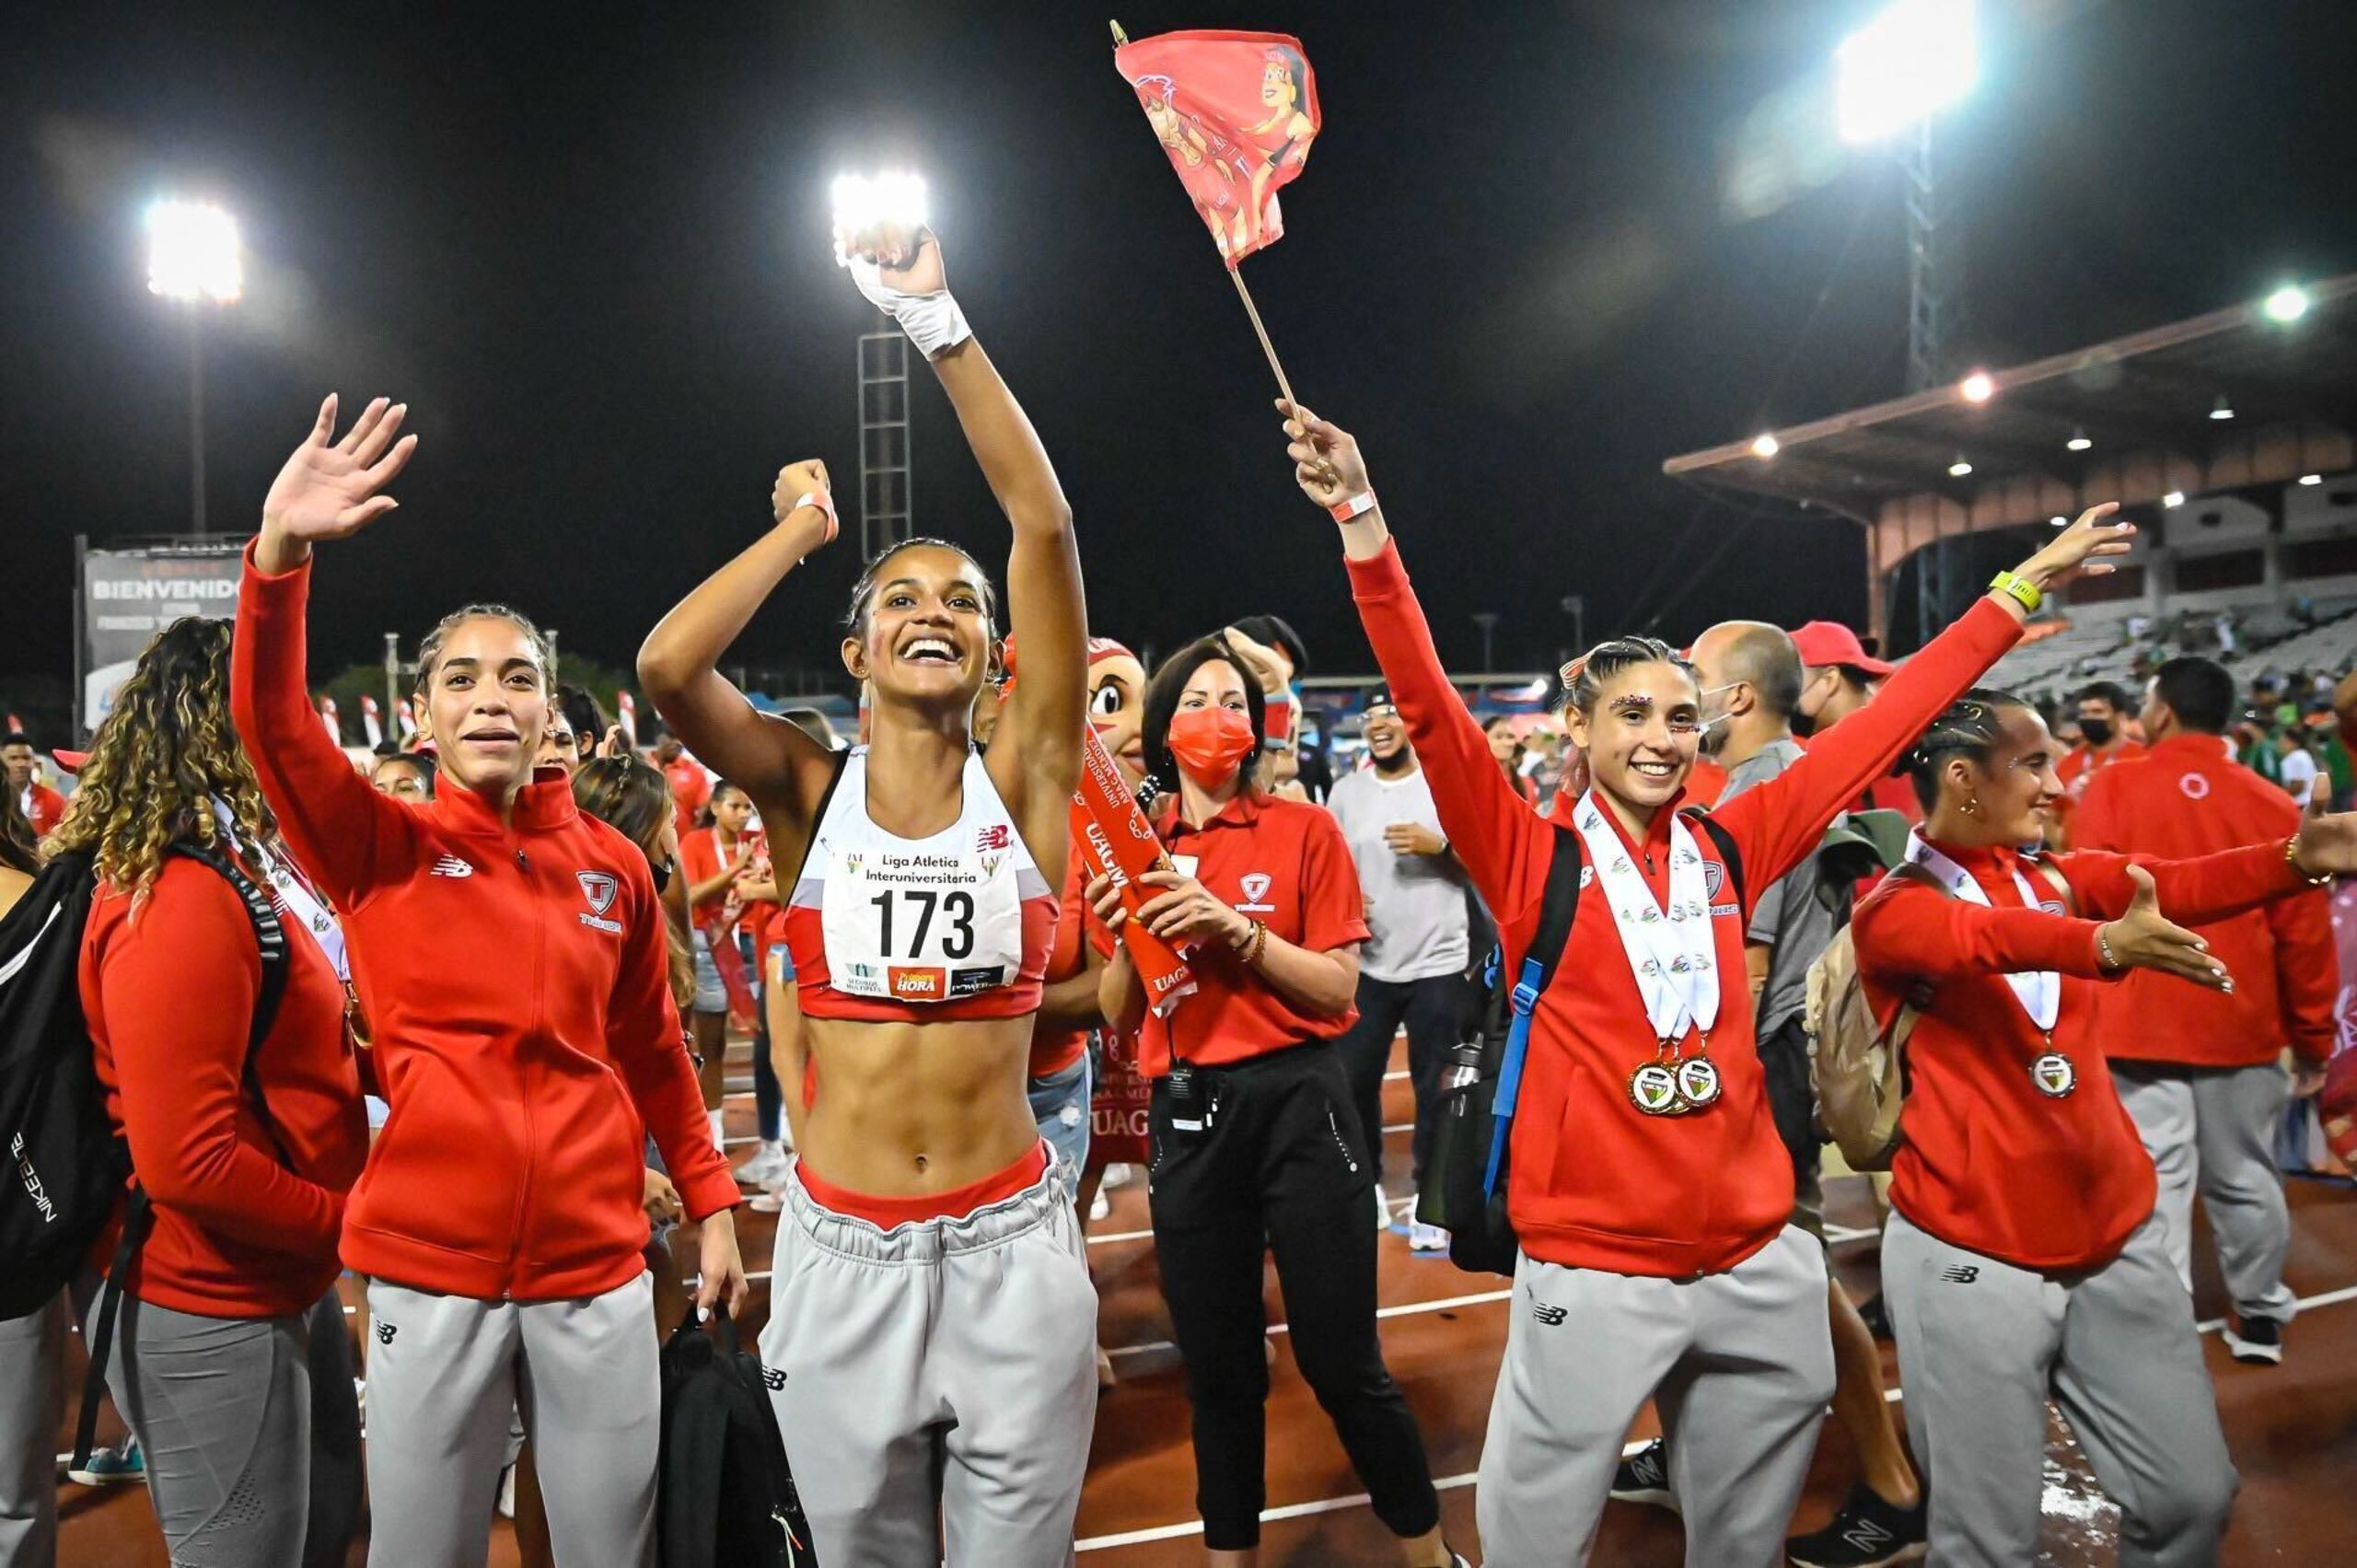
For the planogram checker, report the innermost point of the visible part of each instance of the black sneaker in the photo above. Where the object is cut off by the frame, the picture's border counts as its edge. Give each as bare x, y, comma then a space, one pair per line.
1877, 1317
1868, 1533
2256, 1340
1643, 1477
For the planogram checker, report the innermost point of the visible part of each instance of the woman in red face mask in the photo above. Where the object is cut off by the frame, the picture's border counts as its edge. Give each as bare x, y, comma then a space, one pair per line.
1256, 1144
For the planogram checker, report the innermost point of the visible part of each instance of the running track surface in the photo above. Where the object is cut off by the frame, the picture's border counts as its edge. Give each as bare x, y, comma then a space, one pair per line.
2292, 1429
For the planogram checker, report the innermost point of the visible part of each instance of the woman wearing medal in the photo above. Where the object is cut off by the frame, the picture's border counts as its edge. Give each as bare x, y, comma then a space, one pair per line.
2024, 1257
1647, 1183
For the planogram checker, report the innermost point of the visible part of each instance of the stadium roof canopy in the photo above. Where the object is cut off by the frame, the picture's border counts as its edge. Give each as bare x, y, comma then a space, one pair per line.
2242, 400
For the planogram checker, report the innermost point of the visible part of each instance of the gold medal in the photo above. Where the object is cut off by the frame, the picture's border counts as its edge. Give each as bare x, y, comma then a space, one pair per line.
1653, 1088
2054, 1074
1697, 1081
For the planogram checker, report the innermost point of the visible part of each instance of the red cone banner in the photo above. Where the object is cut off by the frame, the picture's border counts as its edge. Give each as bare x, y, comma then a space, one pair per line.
1236, 111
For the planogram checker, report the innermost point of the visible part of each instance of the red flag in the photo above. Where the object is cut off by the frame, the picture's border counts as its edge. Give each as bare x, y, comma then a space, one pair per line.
1236, 111
626, 706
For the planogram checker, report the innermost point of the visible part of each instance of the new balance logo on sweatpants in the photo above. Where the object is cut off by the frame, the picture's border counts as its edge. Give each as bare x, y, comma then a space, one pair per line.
1960, 1273
1550, 1315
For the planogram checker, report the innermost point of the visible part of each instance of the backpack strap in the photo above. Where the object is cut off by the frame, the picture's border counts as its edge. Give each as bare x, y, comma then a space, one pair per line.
1559, 903
138, 1213
1729, 852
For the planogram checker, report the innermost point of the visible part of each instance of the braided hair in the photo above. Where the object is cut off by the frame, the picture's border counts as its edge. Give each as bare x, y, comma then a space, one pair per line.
1972, 726
1586, 677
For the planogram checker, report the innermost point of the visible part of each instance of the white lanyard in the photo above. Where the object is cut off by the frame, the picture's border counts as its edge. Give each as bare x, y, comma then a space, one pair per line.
1670, 953
295, 894
2039, 991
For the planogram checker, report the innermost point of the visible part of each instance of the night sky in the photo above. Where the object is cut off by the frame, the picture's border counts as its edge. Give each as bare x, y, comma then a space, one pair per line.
588, 246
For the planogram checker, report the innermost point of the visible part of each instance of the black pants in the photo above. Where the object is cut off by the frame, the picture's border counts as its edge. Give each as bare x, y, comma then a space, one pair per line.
1279, 1169
1433, 1010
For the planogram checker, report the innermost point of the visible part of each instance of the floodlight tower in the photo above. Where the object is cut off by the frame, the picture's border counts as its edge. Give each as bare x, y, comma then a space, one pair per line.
193, 259
1893, 76
884, 460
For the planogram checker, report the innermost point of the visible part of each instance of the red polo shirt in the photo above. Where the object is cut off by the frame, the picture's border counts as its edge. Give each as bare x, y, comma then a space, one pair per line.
690, 787
1285, 864
2185, 798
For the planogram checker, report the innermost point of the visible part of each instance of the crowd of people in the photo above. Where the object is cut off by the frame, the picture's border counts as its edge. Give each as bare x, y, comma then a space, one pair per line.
482, 1068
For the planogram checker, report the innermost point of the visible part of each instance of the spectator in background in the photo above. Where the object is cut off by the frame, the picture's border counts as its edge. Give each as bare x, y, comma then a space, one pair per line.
406, 777
2294, 769
2104, 715
1506, 748
19, 844
1411, 970
690, 785
1313, 772
42, 806
1838, 674
586, 717
2199, 1070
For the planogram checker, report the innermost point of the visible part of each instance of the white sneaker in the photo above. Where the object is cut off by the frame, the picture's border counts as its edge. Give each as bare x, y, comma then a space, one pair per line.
1382, 1209
766, 1202
507, 1492
1117, 1176
1423, 1238
1100, 1207
766, 1162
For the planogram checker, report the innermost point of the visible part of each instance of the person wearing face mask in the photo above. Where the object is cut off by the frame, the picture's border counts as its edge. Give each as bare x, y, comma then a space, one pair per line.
511, 960
1647, 1184
1257, 1144
2104, 723
1839, 675
2200, 1072
1411, 970
2024, 1259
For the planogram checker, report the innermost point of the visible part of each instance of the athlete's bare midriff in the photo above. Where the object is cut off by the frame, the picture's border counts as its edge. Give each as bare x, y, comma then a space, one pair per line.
904, 1108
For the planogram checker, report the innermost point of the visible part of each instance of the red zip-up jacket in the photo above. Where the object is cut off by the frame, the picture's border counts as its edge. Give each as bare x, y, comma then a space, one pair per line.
169, 987
2185, 796
1991, 1162
516, 986
1596, 1183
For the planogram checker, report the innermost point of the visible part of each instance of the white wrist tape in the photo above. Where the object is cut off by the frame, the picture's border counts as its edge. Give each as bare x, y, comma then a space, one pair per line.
825, 502
933, 321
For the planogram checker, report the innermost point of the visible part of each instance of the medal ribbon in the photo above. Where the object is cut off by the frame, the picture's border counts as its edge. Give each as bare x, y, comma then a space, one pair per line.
2038, 991
293, 892
1669, 951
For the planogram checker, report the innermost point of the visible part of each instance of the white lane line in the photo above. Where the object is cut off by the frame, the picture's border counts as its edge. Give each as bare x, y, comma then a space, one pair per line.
1335, 1504
1838, 1233
1397, 1076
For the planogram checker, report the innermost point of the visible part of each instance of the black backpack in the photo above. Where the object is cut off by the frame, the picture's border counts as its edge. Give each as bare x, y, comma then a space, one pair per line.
68, 1165
725, 1494
1473, 1139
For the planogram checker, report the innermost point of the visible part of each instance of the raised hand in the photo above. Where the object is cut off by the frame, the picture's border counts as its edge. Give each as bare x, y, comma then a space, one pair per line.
805, 486
329, 489
1326, 461
2142, 939
904, 258
1260, 662
2081, 550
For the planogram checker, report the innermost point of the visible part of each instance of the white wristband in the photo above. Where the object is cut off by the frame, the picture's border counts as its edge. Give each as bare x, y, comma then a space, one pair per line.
933, 321
825, 502
1343, 511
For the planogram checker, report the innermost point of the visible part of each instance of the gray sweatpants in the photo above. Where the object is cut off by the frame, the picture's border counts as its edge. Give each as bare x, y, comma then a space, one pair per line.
443, 1375
2212, 1130
32, 1359
1740, 1366
939, 1378
223, 1409
1982, 1343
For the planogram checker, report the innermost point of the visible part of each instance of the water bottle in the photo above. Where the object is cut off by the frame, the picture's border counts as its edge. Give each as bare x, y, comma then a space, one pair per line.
1464, 1066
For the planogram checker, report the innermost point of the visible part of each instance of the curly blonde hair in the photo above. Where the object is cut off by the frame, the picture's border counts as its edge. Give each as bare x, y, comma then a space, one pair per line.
164, 755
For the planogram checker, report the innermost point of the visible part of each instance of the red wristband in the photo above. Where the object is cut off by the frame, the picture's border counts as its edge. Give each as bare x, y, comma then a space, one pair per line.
1343, 511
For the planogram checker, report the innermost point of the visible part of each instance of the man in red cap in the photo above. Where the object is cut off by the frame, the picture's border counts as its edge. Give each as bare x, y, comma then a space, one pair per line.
1838, 673
43, 807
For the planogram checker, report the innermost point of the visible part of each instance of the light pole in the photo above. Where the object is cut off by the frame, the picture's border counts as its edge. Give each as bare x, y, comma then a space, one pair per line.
1488, 620
862, 202
193, 259
1892, 75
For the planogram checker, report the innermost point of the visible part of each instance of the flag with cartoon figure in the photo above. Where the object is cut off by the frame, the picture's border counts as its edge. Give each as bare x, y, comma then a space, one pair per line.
1236, 112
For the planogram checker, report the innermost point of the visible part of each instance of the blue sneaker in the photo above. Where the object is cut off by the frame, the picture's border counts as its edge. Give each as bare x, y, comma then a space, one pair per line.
106, 1466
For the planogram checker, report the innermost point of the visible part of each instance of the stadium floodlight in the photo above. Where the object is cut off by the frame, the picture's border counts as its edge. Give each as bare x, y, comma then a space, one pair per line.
1765, 446
2174, 499
862, 202
2223, 408
1977, 387
2288, 303
192, 252
2079, 441
1959, 468
1913, 59
2312, 478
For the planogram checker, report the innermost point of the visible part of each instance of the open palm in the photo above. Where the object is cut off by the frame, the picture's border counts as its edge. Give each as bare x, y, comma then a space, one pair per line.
328, 490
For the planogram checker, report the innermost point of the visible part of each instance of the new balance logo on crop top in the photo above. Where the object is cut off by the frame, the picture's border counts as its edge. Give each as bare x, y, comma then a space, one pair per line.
451, 865
959, 924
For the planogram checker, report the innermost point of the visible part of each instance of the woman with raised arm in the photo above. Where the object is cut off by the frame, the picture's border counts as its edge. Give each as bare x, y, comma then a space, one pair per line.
511, 958
1647, 1183
2024, 1259
930, 1312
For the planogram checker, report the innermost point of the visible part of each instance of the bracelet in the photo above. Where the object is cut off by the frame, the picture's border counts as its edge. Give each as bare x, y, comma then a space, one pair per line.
1343, 511
2106, 958
2291, 859
1256, 941
825, 502
2018, 588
